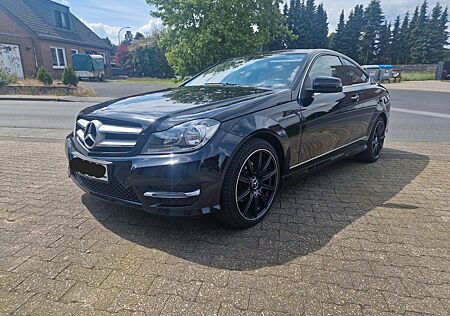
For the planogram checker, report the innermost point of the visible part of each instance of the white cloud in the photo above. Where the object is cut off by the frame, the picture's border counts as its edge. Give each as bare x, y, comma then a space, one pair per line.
150, 27
65, 2
110, 31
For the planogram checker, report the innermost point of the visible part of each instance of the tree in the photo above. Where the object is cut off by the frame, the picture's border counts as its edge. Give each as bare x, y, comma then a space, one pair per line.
294, 22
353, 34
122, 54
384, 44
128, 38
395, 46
337, 40
147, 59
69, 77
200, 33
320, 39
309, 24
418, 36
373, 19
43, 76
139, 36
437, 34
404, 43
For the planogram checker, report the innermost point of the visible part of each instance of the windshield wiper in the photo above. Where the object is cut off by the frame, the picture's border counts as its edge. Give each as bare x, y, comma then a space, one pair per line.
222, 84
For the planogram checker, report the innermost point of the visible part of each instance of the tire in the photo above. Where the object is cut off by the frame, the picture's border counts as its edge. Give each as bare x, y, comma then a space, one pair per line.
375, 142
250, 185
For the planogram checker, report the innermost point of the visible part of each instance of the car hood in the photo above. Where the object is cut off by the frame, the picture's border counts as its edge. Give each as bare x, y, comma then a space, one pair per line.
166, 108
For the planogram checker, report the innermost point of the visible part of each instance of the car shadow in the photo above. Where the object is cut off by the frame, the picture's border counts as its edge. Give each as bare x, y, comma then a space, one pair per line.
308, 212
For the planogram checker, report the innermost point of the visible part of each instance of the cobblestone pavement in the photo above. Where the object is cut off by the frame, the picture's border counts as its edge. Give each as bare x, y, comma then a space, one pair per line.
352, 239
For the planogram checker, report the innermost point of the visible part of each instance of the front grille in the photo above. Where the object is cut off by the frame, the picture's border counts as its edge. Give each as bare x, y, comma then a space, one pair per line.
113, 188
98, 136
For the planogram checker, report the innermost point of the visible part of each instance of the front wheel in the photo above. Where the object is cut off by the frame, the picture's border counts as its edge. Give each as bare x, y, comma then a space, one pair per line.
375, 143
250, 184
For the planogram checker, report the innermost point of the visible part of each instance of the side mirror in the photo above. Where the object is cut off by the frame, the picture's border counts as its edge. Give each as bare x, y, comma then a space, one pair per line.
327, 85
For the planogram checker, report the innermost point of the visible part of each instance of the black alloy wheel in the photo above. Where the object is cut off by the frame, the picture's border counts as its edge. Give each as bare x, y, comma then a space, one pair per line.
250, 185
375, 143
257, 184
378, 139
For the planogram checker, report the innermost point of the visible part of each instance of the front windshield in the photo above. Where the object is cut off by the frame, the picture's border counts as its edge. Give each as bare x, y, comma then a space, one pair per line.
273, 72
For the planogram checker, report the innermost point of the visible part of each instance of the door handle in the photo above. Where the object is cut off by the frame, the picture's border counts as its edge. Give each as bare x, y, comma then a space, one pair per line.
355, 97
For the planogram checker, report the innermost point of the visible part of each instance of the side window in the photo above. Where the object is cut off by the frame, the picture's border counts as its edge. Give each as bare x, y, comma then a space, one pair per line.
353, 74
328, 65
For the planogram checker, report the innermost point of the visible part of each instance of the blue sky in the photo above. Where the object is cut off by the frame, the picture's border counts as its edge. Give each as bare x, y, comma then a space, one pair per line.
107, 17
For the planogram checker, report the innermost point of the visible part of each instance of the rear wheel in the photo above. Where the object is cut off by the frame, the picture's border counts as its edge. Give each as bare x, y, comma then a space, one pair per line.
250, 185
375, 143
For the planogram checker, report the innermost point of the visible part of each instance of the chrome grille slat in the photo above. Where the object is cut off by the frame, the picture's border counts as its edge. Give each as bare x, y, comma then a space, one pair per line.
82, 123
112, 129
116, 143
108, 136
80, 134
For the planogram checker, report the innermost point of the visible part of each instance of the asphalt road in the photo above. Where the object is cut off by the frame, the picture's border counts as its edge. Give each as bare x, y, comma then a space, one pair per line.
416, 115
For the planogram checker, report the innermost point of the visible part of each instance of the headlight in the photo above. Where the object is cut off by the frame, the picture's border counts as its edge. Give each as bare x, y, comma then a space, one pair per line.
181, 138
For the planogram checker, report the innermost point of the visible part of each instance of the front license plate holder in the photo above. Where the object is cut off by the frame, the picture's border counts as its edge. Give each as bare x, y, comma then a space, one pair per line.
90, 168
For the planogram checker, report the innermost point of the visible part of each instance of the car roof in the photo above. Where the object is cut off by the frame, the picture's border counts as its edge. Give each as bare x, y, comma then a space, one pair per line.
305, 51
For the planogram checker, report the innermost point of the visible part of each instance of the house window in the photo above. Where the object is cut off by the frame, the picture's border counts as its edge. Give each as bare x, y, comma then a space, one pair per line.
74, 51
58, 57
62, 20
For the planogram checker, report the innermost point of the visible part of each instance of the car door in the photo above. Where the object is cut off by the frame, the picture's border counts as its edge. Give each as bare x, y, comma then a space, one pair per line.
323, 114
361, 98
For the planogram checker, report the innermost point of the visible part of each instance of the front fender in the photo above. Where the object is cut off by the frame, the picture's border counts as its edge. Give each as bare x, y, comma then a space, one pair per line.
266, 128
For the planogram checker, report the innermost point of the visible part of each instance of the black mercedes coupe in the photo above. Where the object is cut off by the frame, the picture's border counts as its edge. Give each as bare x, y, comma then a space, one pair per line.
222, 142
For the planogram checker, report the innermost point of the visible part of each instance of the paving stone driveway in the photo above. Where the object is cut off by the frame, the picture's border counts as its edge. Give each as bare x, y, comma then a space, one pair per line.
353, 239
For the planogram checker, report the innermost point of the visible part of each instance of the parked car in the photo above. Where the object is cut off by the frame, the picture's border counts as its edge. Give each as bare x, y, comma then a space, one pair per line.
117, 71
222, 142
89, 66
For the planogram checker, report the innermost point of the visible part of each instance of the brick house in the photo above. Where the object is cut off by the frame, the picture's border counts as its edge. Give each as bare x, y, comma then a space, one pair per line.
36, 33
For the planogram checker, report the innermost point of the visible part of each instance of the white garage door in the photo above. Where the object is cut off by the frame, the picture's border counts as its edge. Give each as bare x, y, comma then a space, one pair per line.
10, 61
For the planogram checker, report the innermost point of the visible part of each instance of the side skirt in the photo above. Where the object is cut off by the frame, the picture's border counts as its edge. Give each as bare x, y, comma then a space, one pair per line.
325, 161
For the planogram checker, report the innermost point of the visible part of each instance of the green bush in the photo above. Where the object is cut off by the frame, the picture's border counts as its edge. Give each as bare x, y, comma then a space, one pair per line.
69, 78
3, 78
43, 76
6, 79
13, 79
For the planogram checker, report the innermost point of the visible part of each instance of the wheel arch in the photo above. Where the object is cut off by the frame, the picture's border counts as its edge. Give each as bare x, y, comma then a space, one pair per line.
269, 136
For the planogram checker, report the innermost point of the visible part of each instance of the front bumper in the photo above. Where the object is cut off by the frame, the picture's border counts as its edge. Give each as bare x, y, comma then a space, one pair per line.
173, 185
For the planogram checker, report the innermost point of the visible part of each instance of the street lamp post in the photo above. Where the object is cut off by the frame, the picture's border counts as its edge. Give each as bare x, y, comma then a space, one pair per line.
118, 35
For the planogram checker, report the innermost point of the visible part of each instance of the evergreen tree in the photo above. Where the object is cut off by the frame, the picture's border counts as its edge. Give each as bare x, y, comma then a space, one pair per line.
337, 40
285, 10
384, 44
293, 19
309, 24
308, 29
404, 43
320, 39
418, 36
438, 34
139, 36
443, 28
396, 48
353, 34
373, 19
